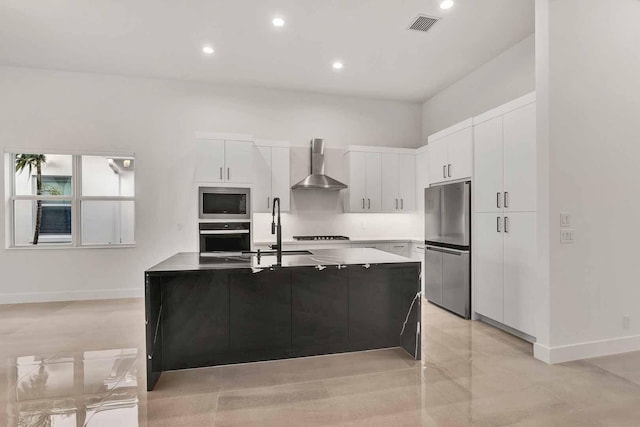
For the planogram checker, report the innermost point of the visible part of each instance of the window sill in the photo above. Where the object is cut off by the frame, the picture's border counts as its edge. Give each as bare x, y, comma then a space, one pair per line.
63, 247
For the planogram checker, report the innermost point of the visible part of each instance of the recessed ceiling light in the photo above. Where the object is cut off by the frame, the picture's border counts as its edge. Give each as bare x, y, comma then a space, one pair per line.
338, 65
207, 50
278, 22
446, 4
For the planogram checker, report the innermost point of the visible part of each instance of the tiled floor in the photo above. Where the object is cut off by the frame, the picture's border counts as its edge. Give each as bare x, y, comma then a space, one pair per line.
82, 363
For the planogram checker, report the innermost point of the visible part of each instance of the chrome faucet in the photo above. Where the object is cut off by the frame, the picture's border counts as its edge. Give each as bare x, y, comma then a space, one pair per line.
277, 229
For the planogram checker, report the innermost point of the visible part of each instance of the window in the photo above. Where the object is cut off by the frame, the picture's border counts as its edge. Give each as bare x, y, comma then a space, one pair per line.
71, 200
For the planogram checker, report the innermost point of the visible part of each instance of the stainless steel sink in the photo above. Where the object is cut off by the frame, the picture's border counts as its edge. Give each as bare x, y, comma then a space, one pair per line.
271, 253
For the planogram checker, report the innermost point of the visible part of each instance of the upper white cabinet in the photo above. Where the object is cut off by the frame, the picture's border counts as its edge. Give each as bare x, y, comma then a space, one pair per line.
422, 175
271, 178
450, 153
381, 179
364, 192
224, 160
398, 182
505, 158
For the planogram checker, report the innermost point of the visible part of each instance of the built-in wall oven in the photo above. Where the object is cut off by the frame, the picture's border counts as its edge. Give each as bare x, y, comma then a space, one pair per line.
224, 203
217, 237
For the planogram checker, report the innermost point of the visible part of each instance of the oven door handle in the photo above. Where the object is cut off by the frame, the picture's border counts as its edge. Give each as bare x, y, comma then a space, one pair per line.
209, 232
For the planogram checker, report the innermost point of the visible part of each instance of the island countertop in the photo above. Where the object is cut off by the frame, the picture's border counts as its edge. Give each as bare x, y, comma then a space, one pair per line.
192, 261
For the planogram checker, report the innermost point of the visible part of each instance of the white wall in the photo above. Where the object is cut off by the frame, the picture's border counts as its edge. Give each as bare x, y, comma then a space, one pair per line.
157, 119
503, 79
593, 131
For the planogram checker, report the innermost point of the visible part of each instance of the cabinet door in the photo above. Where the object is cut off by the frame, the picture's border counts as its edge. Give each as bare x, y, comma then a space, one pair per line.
520, 159
238, 161
262, 194
520, 271
209, 160
460, 154
357, 191
437, 161
488, 179
195, 319
320, 308
433, 275
390, 198
407, 182
422, 178
375, 307
489, 297
260, 310
374, 182
280, 176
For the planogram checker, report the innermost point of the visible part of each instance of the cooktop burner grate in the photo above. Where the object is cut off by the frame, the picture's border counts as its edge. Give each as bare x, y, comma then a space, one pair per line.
320, 238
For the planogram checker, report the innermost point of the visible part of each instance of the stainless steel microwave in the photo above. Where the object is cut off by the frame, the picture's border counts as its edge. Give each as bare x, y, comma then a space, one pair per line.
224, 203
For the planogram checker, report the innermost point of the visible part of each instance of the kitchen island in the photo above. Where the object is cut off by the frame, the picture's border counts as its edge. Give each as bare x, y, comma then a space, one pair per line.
207, 311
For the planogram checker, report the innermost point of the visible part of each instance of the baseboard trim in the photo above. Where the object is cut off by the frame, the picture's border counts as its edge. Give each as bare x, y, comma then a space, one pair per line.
31, 297
586, 350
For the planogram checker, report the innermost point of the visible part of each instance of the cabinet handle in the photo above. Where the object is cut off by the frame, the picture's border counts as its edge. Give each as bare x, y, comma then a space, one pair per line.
506, 224
362, 203
449, 168
220, 174
498, 224
268, 202
498, 200
444, 171
228, 173
402, 204
369, 203
396, 203
506, 199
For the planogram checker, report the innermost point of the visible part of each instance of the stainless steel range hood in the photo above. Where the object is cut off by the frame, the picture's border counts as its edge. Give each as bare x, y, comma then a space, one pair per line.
318, 180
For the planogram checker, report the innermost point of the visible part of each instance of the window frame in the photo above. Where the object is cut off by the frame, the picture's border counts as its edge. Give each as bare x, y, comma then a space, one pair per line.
76, 198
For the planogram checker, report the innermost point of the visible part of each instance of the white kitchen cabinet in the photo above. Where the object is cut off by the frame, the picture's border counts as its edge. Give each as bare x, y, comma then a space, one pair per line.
519, 128
271, 178
390, 182
505, 158
407, 182
209, 160
422, 176
225, 161
438, 160
505, 280
398, 182
364, 193
488, 172
520, 271
450, 153
489, 266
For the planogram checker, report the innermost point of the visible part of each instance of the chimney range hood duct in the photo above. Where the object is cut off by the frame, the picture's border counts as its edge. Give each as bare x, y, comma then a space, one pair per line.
318, 180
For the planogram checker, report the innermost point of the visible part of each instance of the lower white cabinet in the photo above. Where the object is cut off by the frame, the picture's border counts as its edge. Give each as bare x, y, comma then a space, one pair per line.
505, 268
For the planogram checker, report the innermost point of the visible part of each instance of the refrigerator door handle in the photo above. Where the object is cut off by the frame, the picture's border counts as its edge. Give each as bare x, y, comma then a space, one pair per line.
447, 250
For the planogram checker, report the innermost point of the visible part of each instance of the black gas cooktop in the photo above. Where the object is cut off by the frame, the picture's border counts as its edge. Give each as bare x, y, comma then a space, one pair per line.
320, 238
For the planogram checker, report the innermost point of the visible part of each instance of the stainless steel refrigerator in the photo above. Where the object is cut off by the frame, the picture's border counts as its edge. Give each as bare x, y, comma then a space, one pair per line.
447, 226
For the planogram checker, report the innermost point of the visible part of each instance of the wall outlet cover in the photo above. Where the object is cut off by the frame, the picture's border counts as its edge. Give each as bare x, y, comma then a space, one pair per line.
565, 220
567, 235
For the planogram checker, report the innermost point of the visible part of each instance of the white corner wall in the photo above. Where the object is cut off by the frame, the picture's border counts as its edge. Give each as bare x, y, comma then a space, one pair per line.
503, 79
592, 93
156, 120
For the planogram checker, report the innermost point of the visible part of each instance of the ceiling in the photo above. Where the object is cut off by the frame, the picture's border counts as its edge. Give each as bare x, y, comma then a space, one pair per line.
151, 38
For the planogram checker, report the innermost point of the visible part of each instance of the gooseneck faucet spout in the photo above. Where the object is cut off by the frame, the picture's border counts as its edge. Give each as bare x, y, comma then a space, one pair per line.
276, 228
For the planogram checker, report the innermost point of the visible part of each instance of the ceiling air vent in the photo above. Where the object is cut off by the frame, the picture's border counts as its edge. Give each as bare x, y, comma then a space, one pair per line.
423, 23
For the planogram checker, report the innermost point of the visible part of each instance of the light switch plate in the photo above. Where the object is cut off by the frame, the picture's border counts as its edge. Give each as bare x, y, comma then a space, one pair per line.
567, 235
565, 220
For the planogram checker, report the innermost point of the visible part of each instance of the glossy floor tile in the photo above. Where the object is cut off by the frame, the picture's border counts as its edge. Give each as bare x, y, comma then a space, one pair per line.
82, 364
